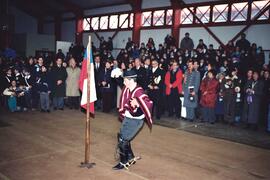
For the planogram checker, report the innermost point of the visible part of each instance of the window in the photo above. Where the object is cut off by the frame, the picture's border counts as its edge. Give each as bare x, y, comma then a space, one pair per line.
256, 7
113, 23
186, 16
203, 13
123, 21
239, 11
220, 13
86, 24
169, 16
104, 20
95, 23
146, 18
131, 20
158, 18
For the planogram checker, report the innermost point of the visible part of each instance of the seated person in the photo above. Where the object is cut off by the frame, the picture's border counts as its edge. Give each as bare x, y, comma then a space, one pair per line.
16, 100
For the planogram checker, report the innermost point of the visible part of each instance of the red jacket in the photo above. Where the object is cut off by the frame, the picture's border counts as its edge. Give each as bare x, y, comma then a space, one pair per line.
177, 83
210, 86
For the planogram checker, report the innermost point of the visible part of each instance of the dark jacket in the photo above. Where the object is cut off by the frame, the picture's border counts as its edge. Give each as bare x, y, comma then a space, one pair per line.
105, 75
44, 82
58, 73
141, 74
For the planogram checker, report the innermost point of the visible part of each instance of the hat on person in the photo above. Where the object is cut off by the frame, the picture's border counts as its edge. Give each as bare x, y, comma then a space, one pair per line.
130, 74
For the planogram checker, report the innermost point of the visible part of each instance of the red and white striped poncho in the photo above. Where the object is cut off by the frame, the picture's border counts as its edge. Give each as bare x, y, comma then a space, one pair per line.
144, 101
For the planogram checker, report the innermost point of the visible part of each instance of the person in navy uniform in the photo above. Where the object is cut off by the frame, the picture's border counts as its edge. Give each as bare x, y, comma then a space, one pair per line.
135, 108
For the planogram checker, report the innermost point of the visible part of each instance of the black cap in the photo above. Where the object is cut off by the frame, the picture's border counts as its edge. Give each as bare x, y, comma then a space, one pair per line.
130, 74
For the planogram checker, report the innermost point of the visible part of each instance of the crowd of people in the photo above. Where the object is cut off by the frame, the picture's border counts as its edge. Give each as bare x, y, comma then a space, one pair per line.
229, 84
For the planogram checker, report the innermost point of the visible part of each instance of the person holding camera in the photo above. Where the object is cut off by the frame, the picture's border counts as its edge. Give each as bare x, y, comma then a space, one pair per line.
191, 87
252, 101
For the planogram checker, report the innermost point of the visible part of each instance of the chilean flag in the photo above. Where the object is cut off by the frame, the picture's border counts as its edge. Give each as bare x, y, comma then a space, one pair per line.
88, 58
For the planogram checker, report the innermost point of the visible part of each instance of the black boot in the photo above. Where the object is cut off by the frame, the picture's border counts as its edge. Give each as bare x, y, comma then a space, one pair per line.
130, 156
123, 149
122, 164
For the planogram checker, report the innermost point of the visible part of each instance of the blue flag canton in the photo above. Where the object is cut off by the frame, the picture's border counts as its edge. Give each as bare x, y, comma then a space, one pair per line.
91, 55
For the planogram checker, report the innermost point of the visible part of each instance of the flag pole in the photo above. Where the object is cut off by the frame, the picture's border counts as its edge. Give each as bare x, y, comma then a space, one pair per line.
86, 162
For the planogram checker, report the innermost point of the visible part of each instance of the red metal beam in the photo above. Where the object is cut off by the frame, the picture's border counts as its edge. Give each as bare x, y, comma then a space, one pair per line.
176, 21
79, 30
137, 9
255, 18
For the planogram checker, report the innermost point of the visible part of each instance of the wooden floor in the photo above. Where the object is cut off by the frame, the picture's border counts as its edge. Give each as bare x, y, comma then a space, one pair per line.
51, 146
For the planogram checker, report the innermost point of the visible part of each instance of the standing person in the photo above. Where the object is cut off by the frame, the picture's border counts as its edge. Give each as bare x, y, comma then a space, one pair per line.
220, 99
135, 106
254, 92
105, 83
229, 100
117, 76
98, 67
141, 73
243, 43
44, 88
187, 43
28, 83
156, 87
72, 86
35, 95
110, 44
59, 76
266, 99
209, 88
191, 86
173, 82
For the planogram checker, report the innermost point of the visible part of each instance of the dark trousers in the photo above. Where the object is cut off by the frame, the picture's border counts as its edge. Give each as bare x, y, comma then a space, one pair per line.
74, 102
107, 99
208, 114
21, 102
35, 98
229, 109
156, 97
174, 103
58, 102
28, 98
